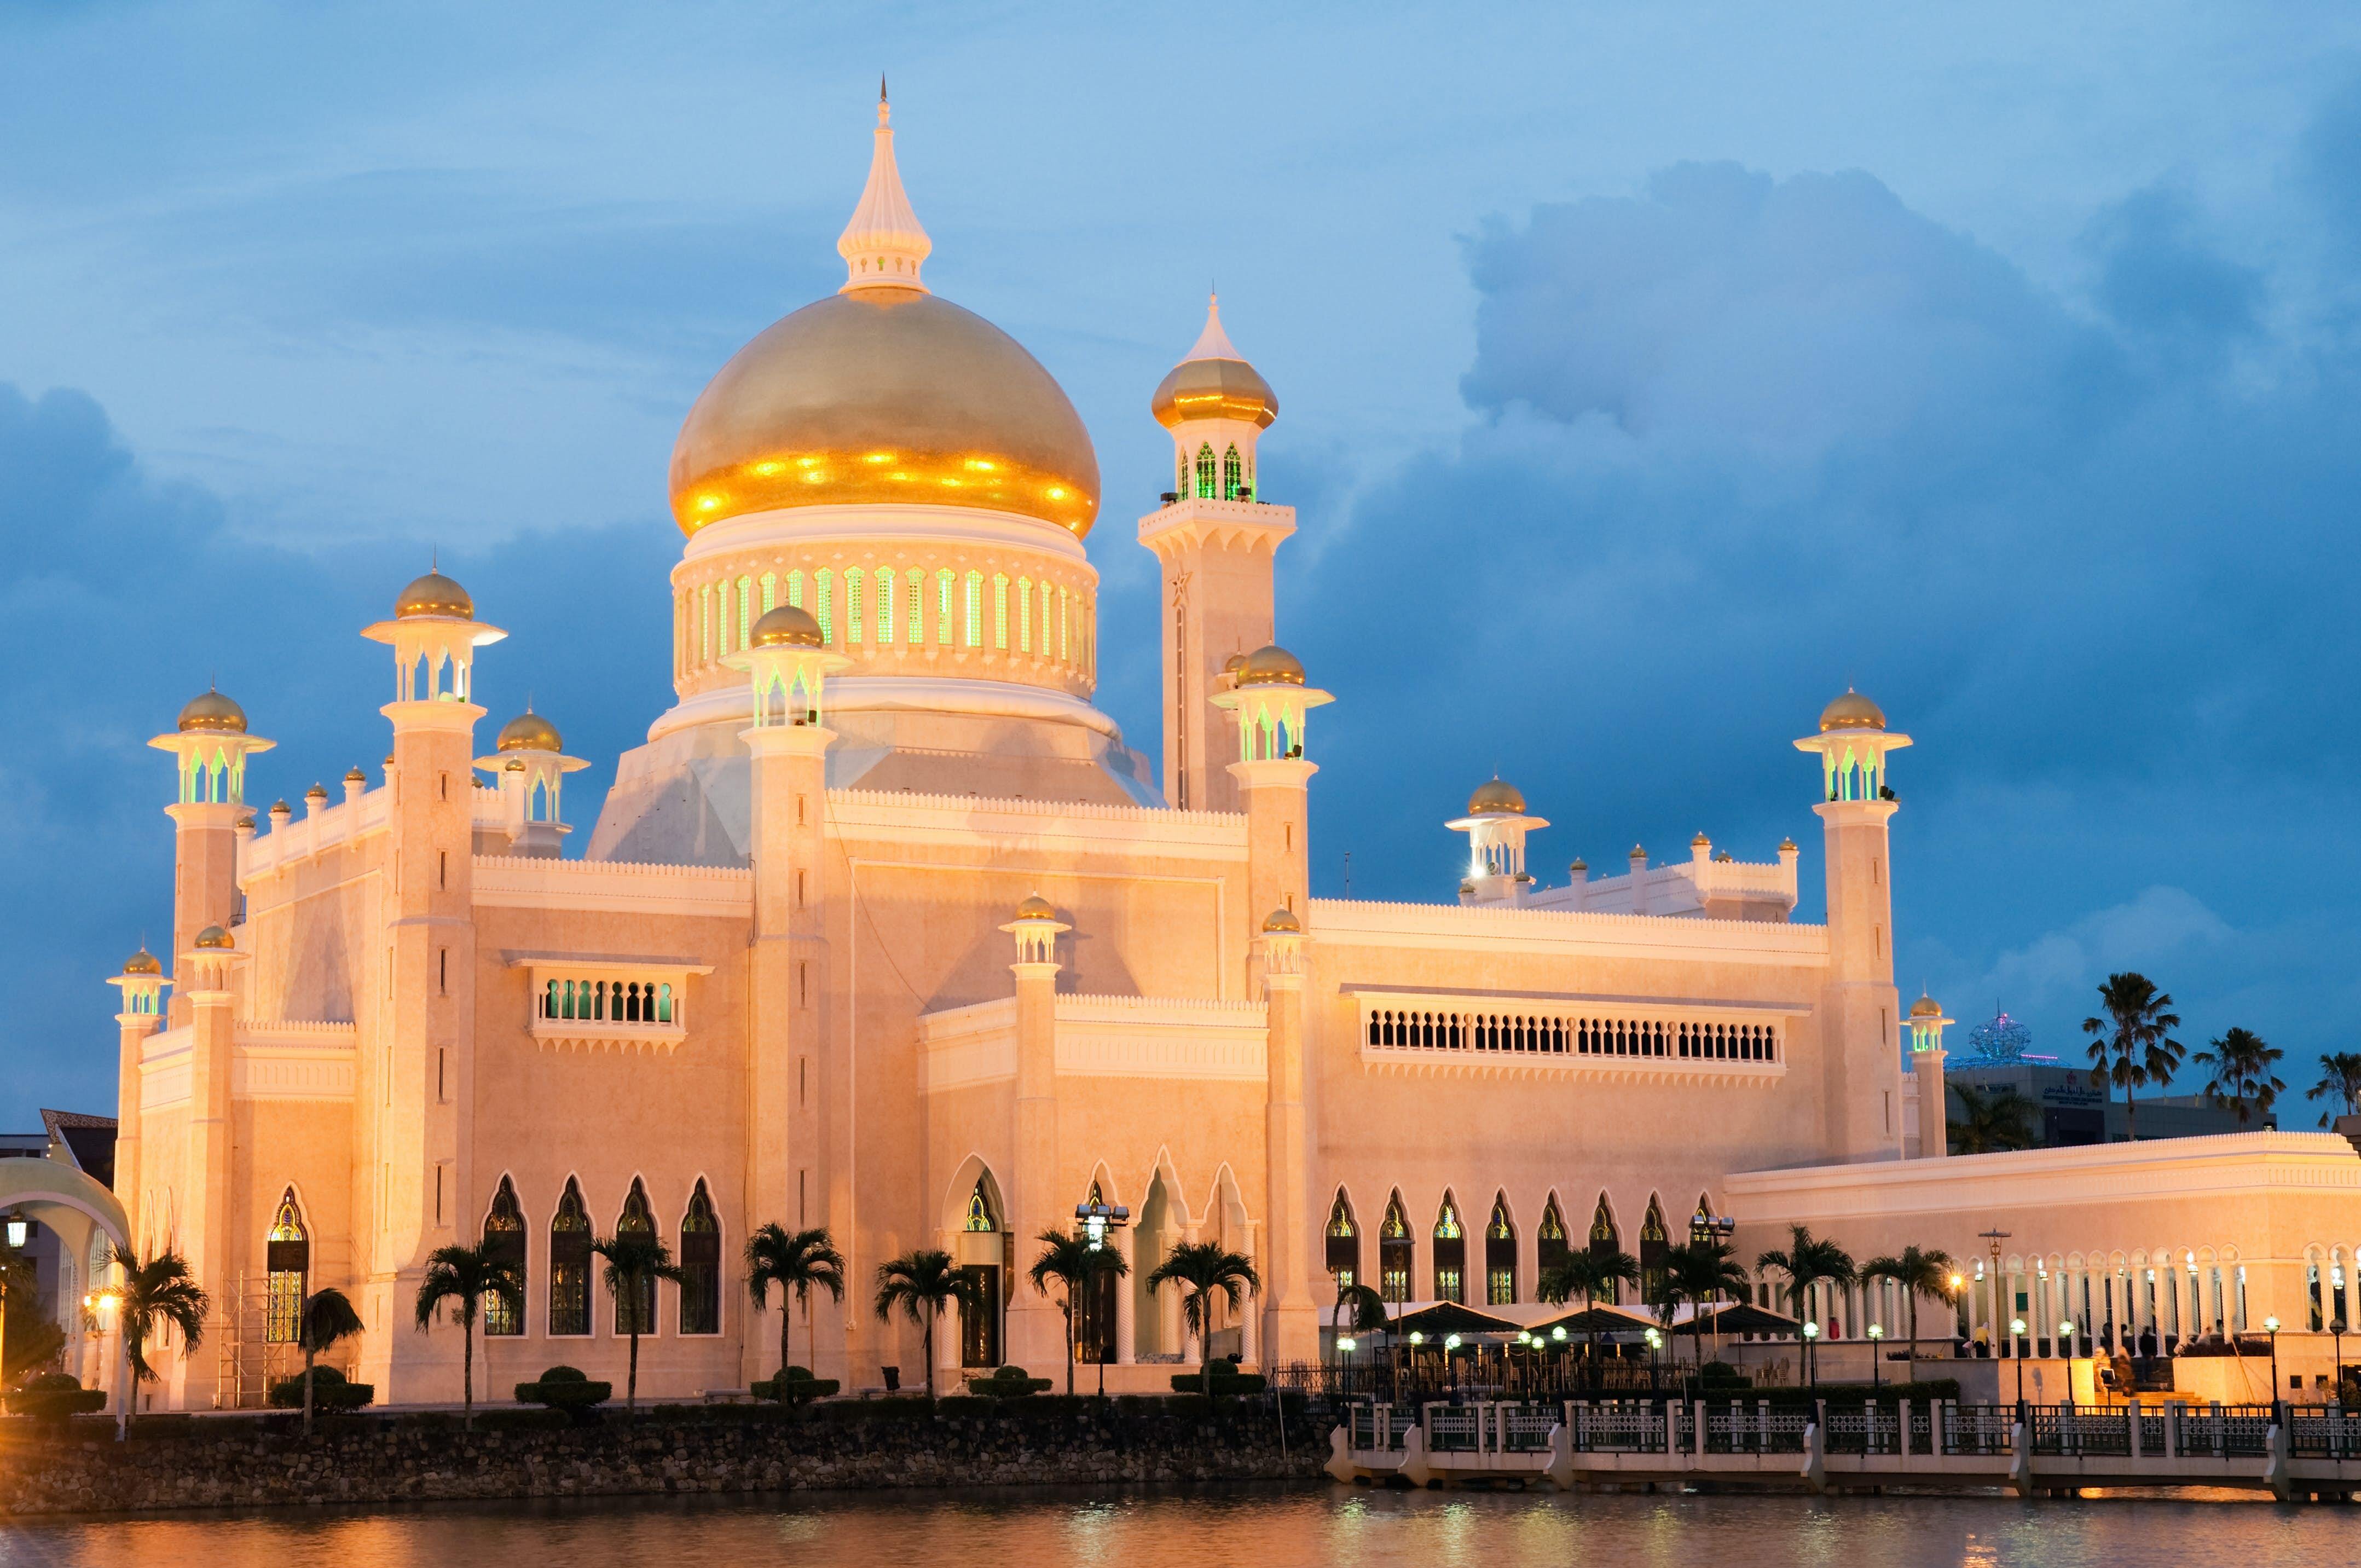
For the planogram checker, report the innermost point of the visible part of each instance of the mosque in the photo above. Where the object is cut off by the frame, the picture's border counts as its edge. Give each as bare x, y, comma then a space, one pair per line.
886, 927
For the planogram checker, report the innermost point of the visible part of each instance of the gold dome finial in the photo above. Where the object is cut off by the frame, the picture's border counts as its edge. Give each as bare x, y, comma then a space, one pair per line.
787, 626
1214, 381
1283, 921
884, 246
1851, 712
213, 938
528, 732
1035, 907
213, 712
436, 596
1271, 665
1925, 1007
1496, 797
142, 962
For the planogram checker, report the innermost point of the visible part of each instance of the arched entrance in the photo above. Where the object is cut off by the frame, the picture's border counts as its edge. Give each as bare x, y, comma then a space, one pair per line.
88, 1223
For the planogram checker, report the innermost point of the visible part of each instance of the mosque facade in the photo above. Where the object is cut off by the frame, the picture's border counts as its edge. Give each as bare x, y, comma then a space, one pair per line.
886, 927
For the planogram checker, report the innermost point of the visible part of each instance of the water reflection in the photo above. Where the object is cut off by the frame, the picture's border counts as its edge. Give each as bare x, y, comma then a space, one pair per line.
1166, 1529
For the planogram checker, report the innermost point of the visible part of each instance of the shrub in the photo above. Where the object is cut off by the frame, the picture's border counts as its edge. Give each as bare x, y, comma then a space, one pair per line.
1007, 1383
330, 1391
54, 1396
795, 1385
1231, 1381
1722, 1375
565, 1388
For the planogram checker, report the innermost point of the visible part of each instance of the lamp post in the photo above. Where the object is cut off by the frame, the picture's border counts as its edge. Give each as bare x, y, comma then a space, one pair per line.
1097, 1221
17, 1229
1996, 1236
2271, 1327
1811, 1363
2066, 1347
2336, 1359
2016, 1332
1877, 1338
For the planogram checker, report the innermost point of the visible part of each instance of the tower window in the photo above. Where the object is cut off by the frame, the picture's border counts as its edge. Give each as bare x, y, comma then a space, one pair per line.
852, 576
1000, 612
972, 623
1065, 643
1025, 615
289, 1262
944, 636
918, 598
770, 592
1205, 479
700, 1265
745, 611
885, 606
504, 1241
823, 608
1232, 474
637, 1310
795, 589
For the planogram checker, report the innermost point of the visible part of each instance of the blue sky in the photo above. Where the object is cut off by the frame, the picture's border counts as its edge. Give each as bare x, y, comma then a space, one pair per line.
1649, 373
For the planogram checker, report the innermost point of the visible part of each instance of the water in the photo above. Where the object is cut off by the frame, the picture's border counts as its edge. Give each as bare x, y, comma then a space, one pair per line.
1269, 1528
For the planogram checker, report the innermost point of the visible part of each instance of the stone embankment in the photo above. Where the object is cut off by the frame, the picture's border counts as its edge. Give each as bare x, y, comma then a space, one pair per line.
266, 1462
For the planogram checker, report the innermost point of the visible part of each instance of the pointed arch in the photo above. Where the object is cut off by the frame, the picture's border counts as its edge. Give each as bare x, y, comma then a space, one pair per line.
700, 1264
638, 1218
1450, 1251
569, 1264
1653, 1244
1550, 1241
1501, 1254
1396, 1251
288, 1254
1344, 1256
1605, 1240
504, 1242
1205, 477
1232, 474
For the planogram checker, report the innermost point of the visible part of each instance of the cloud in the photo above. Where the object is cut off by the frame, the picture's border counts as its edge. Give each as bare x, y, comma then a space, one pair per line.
2058, 970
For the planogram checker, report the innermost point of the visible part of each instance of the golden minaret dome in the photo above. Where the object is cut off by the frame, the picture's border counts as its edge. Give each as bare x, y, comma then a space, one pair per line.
1214, 381
1496, 797
1271, 665
434, 595
214, 712
528, 732
1851, 712
787, 626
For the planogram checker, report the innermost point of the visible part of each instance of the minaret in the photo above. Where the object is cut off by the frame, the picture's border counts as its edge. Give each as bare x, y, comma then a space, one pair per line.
884, 246
790, 1073
1859, 1007
424, 1110
1291, 1326
206, 1197
1216, 543
1926, 1024
529, 765
1036, 1330
1496, 826
142, 983
211, 744
1268, 703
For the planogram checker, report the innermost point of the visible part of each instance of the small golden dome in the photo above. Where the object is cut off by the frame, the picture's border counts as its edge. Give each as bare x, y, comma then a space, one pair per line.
213, 937
1700, 841
1496, 797
1234, 664
1035, 907
1213, 388
356, 776
434, 595
787, 626
317, 792
884, 396
1851, 712
528, 732
281, 809
1579, 865
1283, 920
1271, 665
142, 962
1925, 1007
1787, 846
213, 713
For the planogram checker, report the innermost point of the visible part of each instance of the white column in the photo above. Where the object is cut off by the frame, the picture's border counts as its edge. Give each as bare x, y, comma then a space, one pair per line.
1126, 1292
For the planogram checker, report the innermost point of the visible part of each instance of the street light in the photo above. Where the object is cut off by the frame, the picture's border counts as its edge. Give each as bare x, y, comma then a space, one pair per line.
2066, 1331
2016, 1332
1876, 1337
18, 1229
2271, 1327
1096, 1220
1811, 1363
2337, 1357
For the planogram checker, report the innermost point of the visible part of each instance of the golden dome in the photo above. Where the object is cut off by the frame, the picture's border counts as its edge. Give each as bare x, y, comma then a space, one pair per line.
1283, 920
785, 626
142, 962
1787, 846
213, 937
884, 396
1213, 388
528, 732
1851, 712
215, 713
317, 792
1496, 797
1271, 665
434, 595
1700, 841
1925, 1007
354, 775
1035, 907
281, 809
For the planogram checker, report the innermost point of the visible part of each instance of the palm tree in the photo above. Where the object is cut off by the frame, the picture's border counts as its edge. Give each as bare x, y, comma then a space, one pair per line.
795, 1262
1806, 1261
2241, 1064
1201, 1269
325, 1316
635, 1261
1367, 1307
2133, 1045
1990, 1119
463, 1275
2340, 1080
1919, 1274
1587, 1273
1075, 1264
1699, 1273
922, 1283
154, 1295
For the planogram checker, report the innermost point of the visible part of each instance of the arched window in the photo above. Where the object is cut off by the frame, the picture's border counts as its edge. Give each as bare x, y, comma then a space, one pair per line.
1344, 1243
1450, 1254
745, 610
979, 1217
637, 1220
946, 635
700, 1265
1653, 1247
504, 1242
1234, 474
795, 589
824, 604
289, 1260
1394, 1249
918, 601
1549, 1242
1094, 1322
1000, 611
1205, 481
1605, 1242
1025, 615
1501, 1255
885, 622
569, 1264
770, 592
852, 576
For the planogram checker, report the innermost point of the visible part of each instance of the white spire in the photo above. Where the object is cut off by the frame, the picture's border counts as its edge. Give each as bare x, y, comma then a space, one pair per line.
1213, 343
884, 246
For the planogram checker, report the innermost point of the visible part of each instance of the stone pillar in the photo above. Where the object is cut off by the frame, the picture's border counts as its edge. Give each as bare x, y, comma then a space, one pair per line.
205, 880
208, 1202
1036, 1329
1292, 1325
1126, 1293
1934, 1107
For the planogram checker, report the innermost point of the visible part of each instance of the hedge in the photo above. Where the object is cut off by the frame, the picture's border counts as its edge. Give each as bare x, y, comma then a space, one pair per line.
330, 1391
565, 1388
54, 1396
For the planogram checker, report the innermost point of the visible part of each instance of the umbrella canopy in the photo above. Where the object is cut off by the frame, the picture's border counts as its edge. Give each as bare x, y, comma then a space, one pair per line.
1440, 1318
1740, 1318
1595, 1321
